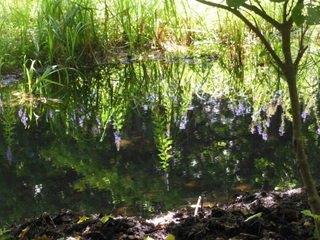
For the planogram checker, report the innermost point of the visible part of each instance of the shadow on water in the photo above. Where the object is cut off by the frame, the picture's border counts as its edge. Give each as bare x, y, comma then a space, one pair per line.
136, 139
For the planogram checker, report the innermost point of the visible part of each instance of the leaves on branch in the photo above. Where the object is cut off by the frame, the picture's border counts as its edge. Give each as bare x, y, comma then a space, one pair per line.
313, 17
235, 3
297, 16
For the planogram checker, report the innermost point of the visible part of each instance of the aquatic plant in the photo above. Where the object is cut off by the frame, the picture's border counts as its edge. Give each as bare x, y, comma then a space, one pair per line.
36, 81
162, 138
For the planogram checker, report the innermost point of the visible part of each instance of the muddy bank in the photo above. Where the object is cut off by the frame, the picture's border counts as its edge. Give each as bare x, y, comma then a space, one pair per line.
262, 215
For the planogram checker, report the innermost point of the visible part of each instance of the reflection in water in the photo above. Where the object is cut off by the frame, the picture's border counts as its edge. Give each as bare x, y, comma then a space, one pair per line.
137, 139
9, 154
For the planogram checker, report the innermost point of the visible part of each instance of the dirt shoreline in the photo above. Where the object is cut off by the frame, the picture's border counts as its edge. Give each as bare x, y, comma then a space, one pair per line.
261, 215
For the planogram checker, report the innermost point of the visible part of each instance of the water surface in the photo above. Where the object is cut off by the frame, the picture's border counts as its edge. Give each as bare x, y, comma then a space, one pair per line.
94, 144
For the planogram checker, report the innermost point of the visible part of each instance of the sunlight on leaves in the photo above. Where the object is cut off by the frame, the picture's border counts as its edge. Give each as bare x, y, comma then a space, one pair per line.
257, 215
106, 218
82, 219
310, 214
171, 237
148, 238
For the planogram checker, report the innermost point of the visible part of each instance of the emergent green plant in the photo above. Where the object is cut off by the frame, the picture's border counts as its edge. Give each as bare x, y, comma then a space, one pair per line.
37, 82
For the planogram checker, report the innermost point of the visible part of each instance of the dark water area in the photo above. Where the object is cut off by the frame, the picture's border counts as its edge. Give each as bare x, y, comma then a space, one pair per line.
93, 146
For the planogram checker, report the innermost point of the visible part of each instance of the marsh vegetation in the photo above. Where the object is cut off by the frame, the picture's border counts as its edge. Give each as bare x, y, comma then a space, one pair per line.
135, 107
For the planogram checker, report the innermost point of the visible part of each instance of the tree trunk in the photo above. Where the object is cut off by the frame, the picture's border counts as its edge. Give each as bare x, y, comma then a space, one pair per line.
299, 145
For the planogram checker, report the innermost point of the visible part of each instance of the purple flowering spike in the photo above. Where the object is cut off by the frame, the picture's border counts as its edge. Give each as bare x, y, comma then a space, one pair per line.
23, 116
254, 117
281, 131
240, 110
80, 121
259, 128
183, 122
268, 123
265, 136
98, 121
117, 139
304, 116
318, 131
20, 112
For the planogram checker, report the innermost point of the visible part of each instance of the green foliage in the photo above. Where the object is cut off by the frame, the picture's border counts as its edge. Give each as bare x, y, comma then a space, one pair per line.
235, 3
2, 231
66, 30
257, 215
37, 82
170, 237
82, 219
313, 15
162, 138
297, 16
8, 121
148, 238
106, 218
316, 217
308, 213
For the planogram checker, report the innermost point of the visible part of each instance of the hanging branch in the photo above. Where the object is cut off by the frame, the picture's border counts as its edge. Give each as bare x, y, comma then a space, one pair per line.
255, 29
262, 14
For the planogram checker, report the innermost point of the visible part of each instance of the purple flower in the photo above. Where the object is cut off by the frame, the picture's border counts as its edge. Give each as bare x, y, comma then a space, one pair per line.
318, 131
274, 101
20, 112
98, 121
265, 136
9, 155
80, 121
117, 138
281, 131
213, 120
262, 109
268, 123
240, 110
304, 116
51, 114
23, 116
254, 117
259, 128
168, 133
183, 122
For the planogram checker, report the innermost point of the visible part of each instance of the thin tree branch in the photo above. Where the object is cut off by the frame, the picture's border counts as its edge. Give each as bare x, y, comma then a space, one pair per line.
291, 6
302, 48
261, 7
284, 12
255, 29
263, 14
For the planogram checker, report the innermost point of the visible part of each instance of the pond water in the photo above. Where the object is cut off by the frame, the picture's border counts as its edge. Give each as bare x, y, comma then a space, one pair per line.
135, 139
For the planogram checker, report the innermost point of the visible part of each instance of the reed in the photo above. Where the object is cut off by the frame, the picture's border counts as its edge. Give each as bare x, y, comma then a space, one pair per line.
85, 31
